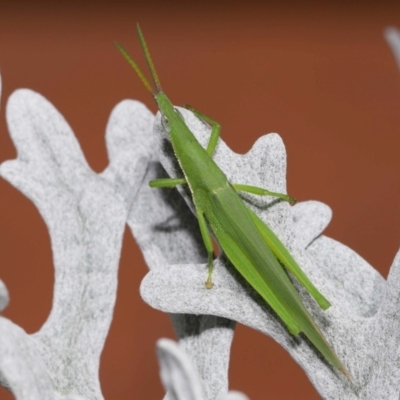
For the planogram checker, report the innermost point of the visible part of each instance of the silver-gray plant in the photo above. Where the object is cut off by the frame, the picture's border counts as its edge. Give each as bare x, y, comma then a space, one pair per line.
86, 213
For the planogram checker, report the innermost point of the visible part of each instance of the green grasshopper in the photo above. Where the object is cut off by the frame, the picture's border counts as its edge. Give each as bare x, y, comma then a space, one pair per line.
249, 244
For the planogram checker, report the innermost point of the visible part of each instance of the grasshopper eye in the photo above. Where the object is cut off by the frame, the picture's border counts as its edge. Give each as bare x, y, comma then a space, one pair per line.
165, 123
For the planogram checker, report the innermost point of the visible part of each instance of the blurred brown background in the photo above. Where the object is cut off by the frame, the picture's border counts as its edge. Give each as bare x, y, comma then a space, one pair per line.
320, 74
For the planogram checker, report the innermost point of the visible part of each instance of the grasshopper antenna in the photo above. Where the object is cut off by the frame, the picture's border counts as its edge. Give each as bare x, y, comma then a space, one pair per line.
148, 59
135, 67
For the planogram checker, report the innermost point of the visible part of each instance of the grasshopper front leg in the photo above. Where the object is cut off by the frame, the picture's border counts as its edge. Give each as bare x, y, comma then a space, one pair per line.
215, 134
215, 129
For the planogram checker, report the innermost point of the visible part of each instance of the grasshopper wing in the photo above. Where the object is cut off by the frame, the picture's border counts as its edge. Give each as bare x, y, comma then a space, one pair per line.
245, 246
